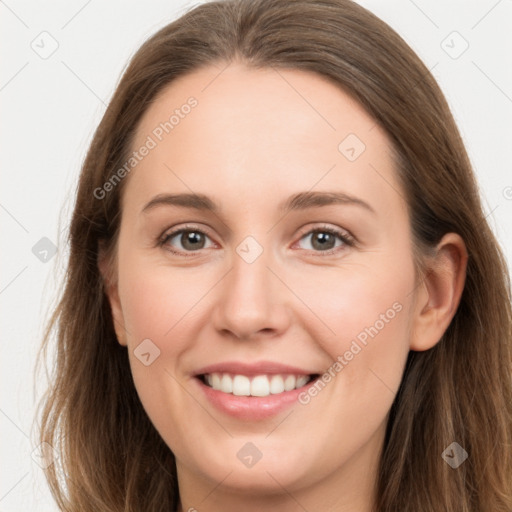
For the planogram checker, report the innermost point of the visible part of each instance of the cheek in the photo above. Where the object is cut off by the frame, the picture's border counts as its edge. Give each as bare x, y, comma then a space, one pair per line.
361, 385
158, 306
366, 313
155, 300
356, 305
370, 318
368, 352
155, 303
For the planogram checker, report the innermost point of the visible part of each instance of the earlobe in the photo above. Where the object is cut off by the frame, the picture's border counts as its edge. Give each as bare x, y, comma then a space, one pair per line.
439, 295
112, 293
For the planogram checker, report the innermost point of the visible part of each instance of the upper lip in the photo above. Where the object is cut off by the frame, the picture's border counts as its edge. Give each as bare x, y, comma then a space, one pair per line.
253, 369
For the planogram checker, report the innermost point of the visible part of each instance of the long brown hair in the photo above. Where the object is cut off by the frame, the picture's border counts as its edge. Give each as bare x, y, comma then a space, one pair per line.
111, 457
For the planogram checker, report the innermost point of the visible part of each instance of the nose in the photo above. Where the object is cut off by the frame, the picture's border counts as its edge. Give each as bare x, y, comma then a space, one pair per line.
252, 301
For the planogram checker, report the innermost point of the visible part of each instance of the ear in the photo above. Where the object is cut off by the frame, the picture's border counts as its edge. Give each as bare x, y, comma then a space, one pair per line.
108, 274
438, 296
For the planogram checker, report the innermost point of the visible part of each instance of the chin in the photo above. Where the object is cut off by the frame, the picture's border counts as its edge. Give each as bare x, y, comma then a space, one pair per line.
277, 467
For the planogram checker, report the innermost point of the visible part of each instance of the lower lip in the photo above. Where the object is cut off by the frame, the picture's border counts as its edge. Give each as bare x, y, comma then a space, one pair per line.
251, 408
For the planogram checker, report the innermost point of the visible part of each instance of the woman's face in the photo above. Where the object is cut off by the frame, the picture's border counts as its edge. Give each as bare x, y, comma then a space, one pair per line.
296, 261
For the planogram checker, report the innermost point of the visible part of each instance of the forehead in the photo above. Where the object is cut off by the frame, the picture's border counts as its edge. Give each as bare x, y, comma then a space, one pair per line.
236, 130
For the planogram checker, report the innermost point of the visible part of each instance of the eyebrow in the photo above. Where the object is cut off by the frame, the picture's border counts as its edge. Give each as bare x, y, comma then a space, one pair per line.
299, 201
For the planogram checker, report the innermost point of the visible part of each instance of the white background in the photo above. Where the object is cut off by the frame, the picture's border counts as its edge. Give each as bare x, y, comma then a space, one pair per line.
50, 108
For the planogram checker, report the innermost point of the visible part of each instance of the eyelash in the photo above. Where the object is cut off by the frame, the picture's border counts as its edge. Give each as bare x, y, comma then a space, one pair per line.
347, 239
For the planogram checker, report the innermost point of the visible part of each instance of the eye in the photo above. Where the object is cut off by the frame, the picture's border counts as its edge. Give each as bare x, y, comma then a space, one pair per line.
190, 238
323, 239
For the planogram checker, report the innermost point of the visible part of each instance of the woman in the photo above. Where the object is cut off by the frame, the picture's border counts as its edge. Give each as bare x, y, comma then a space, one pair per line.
282, 290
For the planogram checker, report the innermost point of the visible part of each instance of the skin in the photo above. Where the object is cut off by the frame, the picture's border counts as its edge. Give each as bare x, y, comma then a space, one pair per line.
255, 138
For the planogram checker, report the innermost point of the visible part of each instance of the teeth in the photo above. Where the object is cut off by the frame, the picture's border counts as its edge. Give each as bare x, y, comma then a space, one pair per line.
276, 384
241, 385
261, 385
302, 380
289, 383
226, 384
215, 381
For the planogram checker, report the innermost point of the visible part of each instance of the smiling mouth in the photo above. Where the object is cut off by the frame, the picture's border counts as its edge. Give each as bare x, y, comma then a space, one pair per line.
257, 386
